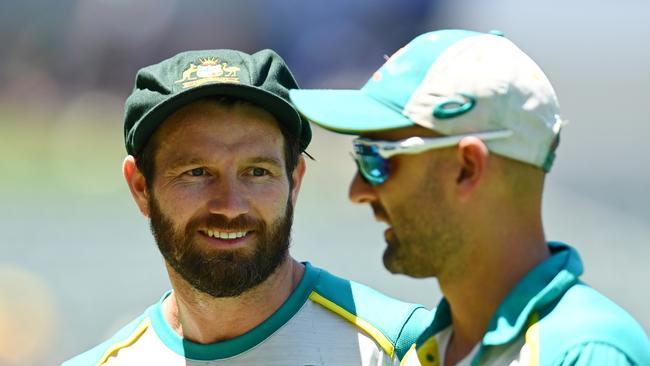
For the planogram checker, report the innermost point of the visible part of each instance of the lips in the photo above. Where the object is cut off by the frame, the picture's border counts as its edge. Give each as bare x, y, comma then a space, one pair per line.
224, 235
389, 235
223, 232
226, 239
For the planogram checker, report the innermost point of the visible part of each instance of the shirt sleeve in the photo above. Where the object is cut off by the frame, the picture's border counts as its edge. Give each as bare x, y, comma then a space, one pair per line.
594, 354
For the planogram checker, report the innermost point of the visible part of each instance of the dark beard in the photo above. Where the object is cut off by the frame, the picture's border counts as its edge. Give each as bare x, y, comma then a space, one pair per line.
223, 273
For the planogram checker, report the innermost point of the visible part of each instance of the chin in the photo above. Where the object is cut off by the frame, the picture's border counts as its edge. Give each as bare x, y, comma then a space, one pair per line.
396, 266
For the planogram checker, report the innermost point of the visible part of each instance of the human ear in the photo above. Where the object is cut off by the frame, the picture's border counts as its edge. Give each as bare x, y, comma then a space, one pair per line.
137, 184
296, 177
473, 158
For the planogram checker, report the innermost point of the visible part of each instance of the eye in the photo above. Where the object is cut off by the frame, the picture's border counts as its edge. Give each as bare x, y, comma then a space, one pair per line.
259, 172
196, 172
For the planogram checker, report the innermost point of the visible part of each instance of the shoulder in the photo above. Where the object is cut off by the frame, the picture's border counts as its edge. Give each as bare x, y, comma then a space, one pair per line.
122, 338
585, 320
395, 325
595, 354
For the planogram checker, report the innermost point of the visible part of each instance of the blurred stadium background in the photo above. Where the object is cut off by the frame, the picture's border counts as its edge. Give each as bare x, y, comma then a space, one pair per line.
77, 260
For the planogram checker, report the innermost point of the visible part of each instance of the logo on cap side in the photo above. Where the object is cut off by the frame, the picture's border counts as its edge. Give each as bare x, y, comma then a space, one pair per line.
453, 107
209, 70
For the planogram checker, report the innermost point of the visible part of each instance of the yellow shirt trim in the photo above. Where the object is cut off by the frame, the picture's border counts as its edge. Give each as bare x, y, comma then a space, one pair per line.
532, 339
428, 353
112, 351
368, 328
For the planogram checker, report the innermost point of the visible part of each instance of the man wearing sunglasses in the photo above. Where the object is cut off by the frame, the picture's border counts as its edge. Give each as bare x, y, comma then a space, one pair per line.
457, 131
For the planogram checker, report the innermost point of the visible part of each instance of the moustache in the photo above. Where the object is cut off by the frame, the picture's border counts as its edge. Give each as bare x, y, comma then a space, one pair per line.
223, 223
379, 212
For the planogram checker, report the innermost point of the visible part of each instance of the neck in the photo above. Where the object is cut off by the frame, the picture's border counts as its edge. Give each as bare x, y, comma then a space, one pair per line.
201, 318
490, 270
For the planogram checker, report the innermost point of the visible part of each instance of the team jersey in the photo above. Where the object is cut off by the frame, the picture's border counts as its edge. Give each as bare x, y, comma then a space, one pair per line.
327, 320
549, 318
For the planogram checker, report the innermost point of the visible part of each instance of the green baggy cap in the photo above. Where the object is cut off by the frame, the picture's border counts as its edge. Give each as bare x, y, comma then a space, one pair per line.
262, 78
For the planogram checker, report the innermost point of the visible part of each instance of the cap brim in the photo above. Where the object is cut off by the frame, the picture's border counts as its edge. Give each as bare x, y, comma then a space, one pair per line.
281, 109
347, 111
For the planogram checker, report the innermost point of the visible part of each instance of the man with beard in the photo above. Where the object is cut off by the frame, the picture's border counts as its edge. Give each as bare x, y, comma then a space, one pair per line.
215, 162
457, 130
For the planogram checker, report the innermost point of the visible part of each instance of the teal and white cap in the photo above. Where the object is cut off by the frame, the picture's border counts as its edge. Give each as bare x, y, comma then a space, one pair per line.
453, 82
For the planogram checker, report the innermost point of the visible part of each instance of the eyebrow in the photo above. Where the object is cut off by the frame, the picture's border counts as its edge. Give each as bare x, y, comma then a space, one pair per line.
265, 160
183, 161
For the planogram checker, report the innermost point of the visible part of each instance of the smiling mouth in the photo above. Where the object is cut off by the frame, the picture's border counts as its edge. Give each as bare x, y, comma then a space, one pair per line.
224, 235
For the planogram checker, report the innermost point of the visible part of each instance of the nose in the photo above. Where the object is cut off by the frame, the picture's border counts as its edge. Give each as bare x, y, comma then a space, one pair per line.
361, 191
228, 198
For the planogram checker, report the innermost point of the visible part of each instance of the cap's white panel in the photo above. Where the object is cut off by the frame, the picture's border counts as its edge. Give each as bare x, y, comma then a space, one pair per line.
511, 92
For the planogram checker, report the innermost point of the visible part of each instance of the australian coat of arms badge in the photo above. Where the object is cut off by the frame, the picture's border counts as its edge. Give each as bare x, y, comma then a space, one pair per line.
208, 70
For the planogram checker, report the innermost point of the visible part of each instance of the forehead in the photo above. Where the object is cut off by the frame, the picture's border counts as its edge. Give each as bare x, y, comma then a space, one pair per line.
207, 127
400, 133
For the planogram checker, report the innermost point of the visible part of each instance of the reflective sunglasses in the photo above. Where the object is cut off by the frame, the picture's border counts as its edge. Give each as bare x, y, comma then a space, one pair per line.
372, 156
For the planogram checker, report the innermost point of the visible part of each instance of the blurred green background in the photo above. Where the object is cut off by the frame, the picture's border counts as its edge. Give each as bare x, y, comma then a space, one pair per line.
76, 258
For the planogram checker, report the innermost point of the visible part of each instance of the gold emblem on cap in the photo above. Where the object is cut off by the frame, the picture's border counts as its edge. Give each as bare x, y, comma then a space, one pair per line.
209, 70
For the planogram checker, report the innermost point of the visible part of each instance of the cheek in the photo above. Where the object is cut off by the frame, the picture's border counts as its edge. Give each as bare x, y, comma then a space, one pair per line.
179, 206
408, 201
270, 199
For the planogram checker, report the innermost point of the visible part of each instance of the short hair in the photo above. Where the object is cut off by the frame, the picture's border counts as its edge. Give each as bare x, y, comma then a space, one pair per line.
145, 160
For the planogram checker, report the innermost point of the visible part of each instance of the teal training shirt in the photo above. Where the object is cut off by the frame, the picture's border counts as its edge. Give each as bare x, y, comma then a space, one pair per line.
327, 320
549, 318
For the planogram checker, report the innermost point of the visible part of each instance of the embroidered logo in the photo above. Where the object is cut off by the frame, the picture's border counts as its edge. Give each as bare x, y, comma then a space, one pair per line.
453, 107
209, 70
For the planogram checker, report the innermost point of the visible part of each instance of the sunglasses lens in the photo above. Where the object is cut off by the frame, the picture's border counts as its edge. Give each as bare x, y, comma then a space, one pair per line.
373, 168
